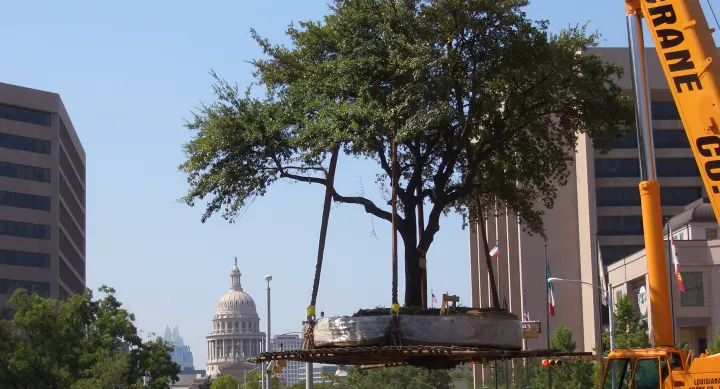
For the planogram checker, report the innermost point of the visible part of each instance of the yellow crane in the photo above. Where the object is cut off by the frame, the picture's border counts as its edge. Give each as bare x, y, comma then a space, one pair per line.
688, 56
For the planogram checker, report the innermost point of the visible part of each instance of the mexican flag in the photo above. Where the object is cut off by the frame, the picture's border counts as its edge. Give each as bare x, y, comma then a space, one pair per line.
551, 292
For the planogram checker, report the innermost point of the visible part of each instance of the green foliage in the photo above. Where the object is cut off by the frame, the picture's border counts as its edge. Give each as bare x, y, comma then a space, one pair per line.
225, 382
399, 378
569, 375
714, 348
79, 343
253, 381
630, 328
486, 104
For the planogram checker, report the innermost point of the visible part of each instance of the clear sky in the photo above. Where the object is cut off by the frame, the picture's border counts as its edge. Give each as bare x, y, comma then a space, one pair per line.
129, 73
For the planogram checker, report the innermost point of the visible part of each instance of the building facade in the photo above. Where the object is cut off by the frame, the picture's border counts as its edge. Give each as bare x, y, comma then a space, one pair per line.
322, 373
696, 317
236, 334
602, 198
42, 196
291, 372
181, 353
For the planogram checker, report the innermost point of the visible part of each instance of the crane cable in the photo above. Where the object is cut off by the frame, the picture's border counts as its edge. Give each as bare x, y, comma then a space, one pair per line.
713, 13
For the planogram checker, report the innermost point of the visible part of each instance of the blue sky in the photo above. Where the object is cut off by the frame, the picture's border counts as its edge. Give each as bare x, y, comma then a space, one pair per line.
129, 73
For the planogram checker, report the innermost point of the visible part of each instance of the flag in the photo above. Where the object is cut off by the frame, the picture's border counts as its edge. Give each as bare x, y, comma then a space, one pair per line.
601, 272
526, 314
551, 294
495, 251
678, 276
434, 299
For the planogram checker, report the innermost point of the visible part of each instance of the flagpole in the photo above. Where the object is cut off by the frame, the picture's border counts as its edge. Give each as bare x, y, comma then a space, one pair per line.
599, 267
527, 366
670, 268
547, 313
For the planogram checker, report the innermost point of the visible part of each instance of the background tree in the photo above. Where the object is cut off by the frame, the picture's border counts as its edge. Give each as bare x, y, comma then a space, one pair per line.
569, 375
225, 382
630, 328
78, 343
485, 104
403, 377
714, 348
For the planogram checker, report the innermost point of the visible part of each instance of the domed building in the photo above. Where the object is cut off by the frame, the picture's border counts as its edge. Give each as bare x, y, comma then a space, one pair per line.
236, 332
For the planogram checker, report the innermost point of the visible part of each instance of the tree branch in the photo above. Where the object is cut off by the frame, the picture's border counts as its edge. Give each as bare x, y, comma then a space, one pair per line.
369, 205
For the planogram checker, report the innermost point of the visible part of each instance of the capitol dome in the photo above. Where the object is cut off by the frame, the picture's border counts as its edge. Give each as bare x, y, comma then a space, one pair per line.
235, 302
236, 334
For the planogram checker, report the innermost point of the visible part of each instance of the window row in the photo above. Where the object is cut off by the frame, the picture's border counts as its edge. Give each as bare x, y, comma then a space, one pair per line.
72, 229
24, 200
612, 253
70, 279
42, 289
24, 172
72, 178
25, 143
71, 254
24, 258
72, 151
229, 325
24, 230
630, 196
621, 225
630, 167
662, 139
24, 115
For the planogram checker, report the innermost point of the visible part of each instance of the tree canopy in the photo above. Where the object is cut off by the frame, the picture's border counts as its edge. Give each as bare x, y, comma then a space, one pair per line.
81, 343
485, 105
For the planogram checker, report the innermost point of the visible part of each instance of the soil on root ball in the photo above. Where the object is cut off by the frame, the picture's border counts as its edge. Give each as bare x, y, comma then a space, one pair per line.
382, 311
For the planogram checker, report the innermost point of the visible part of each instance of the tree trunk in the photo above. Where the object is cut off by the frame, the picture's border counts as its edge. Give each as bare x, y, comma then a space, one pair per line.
488, 260
413, 272
413, 276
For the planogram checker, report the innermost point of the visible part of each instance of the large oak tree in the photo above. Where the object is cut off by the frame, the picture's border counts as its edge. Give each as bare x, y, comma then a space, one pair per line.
486, 105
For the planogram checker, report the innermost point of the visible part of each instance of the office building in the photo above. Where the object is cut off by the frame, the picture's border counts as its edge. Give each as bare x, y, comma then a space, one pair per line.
42, 196
284, 342
601, 197
696, 317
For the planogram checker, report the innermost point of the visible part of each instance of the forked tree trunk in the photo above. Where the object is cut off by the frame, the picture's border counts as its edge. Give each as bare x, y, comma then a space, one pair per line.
488, 260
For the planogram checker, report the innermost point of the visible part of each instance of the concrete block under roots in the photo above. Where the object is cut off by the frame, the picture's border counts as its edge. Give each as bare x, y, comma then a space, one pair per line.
487, 331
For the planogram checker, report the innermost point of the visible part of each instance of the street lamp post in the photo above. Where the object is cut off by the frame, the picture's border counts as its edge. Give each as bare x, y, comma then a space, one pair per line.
268, 347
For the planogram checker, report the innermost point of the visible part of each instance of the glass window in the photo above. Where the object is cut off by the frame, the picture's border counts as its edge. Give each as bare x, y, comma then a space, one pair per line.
611, 254
42, 289
72, 152
679, 195
24, 172
702, 345
24, 230
647, 374
617, 196
677, 167
23, 200
662, 139
24, 143
24, 258
670, 139
620, 167
24, 115
693, 283
619, 225
69, 278
664, 110
711, 233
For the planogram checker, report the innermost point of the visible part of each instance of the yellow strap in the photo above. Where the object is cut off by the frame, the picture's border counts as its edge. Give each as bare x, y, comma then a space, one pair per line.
395, 308
311, 311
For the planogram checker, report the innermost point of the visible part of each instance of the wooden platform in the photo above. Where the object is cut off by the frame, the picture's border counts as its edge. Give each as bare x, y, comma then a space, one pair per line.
433, 357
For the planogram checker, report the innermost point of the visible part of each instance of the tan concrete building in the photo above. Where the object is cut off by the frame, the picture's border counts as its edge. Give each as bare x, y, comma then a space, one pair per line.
42, 196
696, 316
602, 197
